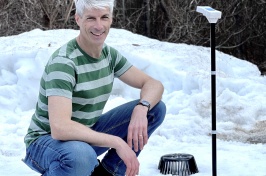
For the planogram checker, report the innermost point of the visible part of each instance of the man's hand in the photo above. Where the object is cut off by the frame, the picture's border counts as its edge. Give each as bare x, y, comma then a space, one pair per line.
130, 159
137, 130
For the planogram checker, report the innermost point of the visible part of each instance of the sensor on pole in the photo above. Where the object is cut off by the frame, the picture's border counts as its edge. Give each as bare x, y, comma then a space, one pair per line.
211, 14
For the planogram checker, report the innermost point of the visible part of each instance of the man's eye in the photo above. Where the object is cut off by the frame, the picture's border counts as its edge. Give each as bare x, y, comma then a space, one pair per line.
90, 18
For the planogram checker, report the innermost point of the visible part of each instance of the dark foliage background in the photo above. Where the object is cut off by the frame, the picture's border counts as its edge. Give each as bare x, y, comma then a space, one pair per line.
240, 32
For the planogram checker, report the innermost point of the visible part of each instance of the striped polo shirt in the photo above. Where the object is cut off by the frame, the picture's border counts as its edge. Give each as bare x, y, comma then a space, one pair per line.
73, 74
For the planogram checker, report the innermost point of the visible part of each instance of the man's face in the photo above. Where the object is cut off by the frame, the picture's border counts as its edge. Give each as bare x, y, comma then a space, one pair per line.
95, 25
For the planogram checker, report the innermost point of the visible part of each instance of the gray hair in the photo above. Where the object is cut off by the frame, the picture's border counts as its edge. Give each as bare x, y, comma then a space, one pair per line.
81, 5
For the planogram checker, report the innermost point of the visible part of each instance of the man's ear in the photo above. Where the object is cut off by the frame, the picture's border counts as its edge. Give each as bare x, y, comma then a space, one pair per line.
112, 19
77, 18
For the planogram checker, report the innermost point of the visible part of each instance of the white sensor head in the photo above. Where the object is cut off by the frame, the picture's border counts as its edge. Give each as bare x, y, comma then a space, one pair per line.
211, 14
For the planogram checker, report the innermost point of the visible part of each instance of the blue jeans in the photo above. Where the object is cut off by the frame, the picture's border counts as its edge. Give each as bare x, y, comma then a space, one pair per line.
76, 158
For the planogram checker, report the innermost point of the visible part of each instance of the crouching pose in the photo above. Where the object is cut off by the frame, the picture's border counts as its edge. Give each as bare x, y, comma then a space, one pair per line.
69, 130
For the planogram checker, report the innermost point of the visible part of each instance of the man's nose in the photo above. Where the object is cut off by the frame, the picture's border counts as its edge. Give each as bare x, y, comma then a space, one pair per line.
98, 24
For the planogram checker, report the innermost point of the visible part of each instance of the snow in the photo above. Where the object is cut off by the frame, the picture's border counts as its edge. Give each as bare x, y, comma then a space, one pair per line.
185, 72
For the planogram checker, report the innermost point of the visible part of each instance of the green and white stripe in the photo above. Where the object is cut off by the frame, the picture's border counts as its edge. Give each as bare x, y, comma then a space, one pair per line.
73, 74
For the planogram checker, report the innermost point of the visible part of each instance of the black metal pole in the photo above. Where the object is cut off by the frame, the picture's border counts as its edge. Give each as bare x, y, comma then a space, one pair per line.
213, 97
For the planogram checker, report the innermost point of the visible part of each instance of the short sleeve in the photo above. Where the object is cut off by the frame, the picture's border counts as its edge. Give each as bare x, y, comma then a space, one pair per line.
120, 63
60, 77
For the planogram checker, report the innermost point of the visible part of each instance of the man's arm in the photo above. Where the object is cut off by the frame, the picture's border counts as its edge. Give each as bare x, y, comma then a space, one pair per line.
151, 91
63, 128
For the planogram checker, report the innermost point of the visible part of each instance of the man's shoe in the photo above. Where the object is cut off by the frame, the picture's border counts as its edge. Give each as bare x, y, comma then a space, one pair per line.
100, 171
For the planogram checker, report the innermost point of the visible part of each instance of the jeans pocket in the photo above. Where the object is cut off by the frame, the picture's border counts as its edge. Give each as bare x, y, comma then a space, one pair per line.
33, 164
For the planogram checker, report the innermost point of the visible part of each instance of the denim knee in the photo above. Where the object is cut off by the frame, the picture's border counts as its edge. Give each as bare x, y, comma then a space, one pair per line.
159, 111
80, 159
81, 153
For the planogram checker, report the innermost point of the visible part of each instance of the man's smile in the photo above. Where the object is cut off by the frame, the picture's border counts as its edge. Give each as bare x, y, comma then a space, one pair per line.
97, 34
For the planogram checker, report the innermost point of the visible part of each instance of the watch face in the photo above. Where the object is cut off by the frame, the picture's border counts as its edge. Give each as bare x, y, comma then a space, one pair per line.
145, 103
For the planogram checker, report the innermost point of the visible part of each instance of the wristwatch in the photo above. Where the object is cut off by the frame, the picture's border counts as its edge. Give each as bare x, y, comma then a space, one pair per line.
145, 103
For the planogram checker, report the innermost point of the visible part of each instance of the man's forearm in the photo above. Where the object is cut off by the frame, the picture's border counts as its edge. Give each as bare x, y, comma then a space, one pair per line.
72, 130
152, 92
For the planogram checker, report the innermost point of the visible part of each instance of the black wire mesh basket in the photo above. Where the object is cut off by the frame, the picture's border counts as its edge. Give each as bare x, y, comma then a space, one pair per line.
178, 164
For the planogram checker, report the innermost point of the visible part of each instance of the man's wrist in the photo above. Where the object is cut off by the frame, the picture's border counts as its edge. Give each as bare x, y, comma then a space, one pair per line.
144, 103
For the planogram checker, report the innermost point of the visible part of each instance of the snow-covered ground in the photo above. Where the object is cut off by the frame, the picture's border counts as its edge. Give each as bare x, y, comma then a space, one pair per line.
185, 72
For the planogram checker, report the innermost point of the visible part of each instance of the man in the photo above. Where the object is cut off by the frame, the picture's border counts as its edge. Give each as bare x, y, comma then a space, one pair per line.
68, 130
